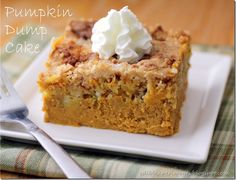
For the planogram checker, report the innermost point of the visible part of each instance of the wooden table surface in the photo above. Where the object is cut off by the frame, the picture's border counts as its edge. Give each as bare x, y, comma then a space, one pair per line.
209, 21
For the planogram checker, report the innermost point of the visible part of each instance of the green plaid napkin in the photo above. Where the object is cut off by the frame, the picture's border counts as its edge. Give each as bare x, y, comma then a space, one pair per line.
33, 160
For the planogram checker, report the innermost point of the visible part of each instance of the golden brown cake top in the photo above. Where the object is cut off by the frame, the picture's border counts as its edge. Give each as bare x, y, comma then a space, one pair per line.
73, 51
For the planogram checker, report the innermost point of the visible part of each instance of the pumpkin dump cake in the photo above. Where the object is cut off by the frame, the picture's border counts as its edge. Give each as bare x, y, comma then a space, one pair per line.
91, 81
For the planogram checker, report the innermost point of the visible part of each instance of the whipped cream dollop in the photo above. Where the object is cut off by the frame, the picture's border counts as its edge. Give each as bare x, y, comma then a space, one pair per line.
120, 33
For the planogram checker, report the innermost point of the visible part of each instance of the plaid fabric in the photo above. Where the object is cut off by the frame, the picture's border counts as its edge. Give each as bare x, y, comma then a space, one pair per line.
33, 160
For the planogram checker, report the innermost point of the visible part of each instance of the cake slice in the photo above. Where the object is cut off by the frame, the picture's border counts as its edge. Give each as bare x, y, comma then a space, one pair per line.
81, 89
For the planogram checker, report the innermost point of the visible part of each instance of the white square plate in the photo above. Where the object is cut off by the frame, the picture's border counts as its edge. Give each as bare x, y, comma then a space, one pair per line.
207, 79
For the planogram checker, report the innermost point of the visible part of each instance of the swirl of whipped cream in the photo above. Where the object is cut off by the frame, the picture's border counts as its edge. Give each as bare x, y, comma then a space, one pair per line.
121, 33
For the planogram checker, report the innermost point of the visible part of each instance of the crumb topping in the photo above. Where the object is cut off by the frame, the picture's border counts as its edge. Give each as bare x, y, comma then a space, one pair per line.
82, 29
72, 53
159, 34
166, 55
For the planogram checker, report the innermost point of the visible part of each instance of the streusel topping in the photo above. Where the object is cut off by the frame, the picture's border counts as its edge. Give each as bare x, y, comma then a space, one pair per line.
74, 49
